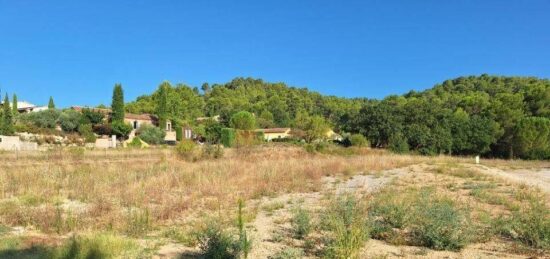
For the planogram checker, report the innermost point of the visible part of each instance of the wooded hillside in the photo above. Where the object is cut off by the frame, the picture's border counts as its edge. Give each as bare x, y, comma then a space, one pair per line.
488, 115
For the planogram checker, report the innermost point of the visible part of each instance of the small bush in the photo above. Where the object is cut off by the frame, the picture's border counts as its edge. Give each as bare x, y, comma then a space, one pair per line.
121, 129
210, 151
228, 137
289, 253
186, 149
301, 223
151, 134
398, 144
345, 219
358, 140
70, 120
430, 221
87, 133
530, 225
214, 242
42, 119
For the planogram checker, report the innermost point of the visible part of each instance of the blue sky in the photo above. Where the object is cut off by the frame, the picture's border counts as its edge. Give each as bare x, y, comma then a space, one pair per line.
77, 50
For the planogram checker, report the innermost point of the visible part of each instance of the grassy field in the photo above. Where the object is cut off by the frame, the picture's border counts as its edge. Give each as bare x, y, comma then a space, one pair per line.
133, 203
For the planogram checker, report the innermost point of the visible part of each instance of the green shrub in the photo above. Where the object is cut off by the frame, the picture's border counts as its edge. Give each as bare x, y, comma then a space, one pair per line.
42, 119
301, 223
187, 150
439, 224
530, 225
228, 137
243, 120
121, 129
70, 120
430, 221
245, 244
214, 242
151, 134
358, 140
345, 220
98, 246
397, 143
289, 253
87, 133
92, 117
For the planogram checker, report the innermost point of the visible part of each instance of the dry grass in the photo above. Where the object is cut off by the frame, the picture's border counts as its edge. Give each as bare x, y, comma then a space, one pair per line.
65, 191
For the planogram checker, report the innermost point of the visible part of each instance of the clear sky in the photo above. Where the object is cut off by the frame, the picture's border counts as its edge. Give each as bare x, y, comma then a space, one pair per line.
77, 50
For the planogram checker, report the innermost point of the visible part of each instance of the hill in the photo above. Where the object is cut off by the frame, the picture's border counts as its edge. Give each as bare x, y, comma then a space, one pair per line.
487, 115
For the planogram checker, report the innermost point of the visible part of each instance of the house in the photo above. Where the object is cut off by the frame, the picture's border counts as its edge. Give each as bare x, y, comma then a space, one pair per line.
26, 107
275, 133
136, 120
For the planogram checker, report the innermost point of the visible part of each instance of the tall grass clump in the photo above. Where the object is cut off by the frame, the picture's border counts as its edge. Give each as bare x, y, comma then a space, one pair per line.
301, 223
530, 225
217, 242
346, 224
420, 217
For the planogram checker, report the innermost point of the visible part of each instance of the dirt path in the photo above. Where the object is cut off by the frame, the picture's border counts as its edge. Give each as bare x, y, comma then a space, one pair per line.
269, 224
533, 177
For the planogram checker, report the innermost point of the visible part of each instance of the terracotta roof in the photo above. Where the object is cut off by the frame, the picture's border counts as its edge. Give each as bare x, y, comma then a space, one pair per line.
274, 130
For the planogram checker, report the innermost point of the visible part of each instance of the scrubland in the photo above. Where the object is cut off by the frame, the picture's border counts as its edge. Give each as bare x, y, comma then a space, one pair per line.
339, 203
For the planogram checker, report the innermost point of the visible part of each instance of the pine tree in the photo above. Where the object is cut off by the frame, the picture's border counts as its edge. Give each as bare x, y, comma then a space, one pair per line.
162, 104
7, 119
51, 104
14, 105
117, 105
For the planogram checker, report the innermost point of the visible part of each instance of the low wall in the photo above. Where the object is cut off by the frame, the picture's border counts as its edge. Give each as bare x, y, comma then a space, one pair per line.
13, 143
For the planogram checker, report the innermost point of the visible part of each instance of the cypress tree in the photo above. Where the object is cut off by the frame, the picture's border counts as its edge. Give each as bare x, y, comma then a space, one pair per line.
14, 105
117, 106
7, 119
162, 104
51, 104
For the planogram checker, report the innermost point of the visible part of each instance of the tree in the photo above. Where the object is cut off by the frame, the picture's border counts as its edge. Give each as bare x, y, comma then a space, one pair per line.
70, 120
51, 104
162, 104
532, 140
205, 88
15, 111
121, 130
92, 117
316, 129
117, 105
243, 120
6, 126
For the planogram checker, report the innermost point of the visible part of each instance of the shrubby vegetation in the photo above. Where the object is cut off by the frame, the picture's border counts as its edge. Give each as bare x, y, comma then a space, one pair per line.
476, 115
151, 134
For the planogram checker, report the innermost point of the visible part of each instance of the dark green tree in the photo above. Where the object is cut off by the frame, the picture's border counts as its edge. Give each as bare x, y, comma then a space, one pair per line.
6, 127
117, 105
15, 109
162, 104
243, 120
51, 104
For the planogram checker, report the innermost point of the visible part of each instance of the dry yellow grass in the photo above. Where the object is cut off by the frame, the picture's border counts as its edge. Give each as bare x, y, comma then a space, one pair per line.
71, 190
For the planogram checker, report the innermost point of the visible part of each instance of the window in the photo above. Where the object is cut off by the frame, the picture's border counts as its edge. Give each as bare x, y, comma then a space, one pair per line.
135, 124
168, 126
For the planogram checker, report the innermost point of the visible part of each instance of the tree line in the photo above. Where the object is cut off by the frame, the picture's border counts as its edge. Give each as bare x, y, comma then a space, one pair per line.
486, 115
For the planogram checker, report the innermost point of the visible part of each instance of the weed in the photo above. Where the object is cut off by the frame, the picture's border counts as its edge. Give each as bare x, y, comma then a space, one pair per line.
301, 223
530, 225
289, 253
139, 222
347, 226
